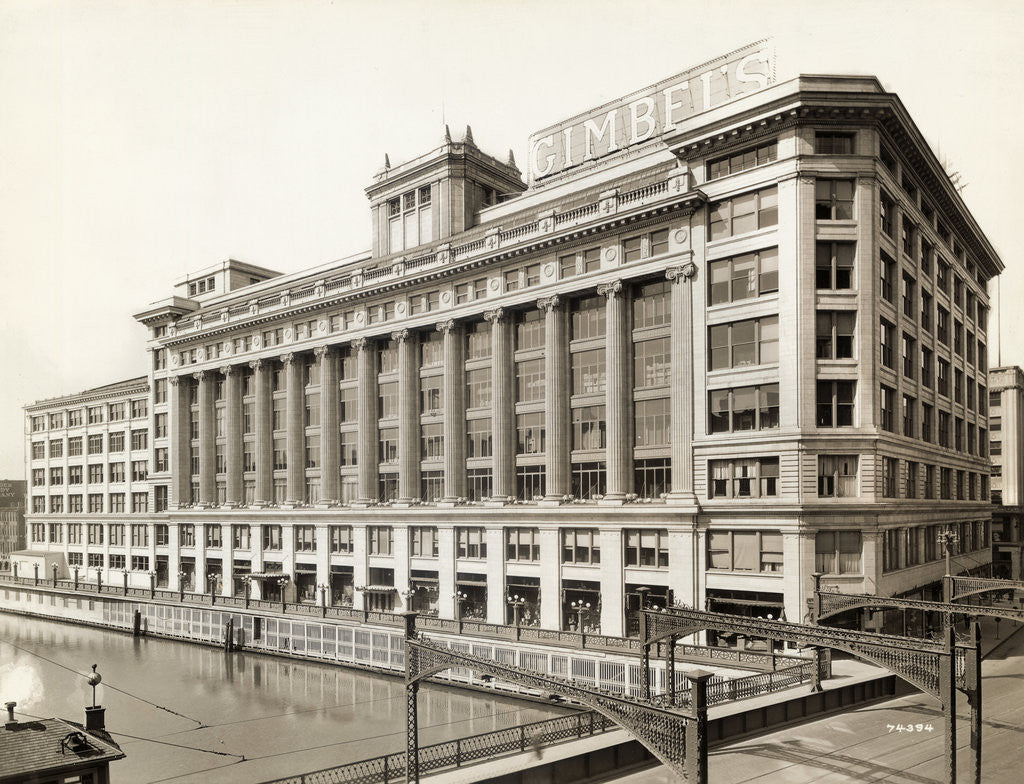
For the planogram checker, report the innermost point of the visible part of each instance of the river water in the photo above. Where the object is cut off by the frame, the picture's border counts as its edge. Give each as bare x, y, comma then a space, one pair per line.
285, 716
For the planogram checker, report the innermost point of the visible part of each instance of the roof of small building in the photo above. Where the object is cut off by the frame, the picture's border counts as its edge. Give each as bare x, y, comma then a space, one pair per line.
36, 747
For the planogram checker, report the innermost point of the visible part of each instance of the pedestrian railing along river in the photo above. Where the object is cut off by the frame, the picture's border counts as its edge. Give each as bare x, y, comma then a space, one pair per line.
630, 646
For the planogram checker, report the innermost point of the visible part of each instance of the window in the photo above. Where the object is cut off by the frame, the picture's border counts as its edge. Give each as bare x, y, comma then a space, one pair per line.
139, 409
530, 482
887, 410
74, 476
95, 533
887, 340
652, 363
890, 472
387, 444
341, 538
431, 396
522, 544
588, 372
743, 277
943, 377
837, 552
140, 503
742, 343
271, 537
387, 396
115, 443
431, 349
140, 563
589, 480
96, 560
431, 486
39, 476
909, 287
140, 535
834, 334
908, 237
95, 473
478, 388
38, 424
837, 476
431, 441
470, 542
833, 143
38, 450
56, 447
652, 422
305, 538
835, 403
887, 271
833, 200
652, 478
423, 541
946, 484
942, 325
744, 478
530, 433
909, 404
96, 503
479, 483
651, 305
646, 548
741, 214
116, 412
745, 551
478, 341
581, 546
909, 349
742, 160
349, 448
479, 438
410, 221
588, 318
588, 427
75, 503
887, 215
96, 443
567, 263
140, 439
74, 446
529, 330
530, 380
743, 408
57, 476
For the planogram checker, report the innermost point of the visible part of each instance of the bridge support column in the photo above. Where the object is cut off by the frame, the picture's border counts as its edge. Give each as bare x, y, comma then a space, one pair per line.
412, 738
972, 684
670, 669
947, 695
697, 728
645, 658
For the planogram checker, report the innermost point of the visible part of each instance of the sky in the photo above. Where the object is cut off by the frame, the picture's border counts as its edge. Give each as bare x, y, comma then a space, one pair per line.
143, 140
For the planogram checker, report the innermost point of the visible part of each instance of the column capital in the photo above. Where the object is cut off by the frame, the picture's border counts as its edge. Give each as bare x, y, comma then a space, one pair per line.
400, 335
684, 272
256, 364
611, 289
495, 315
287, 359
446, 326
227, 370
322, 352
173, 380
199, 375
549, 303
360, 343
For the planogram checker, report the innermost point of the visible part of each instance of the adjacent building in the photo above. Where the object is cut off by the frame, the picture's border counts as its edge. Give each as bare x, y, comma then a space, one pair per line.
12, 520
730, 332
1006, 406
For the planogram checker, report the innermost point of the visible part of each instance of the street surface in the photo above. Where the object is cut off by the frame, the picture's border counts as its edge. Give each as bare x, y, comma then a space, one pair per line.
865, 744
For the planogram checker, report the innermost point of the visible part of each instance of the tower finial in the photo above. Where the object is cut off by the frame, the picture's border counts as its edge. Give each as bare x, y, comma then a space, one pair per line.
468, 138
511, 158
387, 161
447, 135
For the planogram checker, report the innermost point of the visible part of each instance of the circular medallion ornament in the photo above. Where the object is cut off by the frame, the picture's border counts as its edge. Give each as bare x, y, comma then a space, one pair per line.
288, 333
174, 360
495, 283
255, 341
322, 326
360, 317
681, 236
400, 307
200, 354
446, 297
609, 254
226, 348
549, 270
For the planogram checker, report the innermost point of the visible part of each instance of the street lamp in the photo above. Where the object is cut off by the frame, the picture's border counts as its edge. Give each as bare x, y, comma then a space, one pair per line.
124, 573
247, 587
283, 581
459, 598
581, 609
36, 567
946, 539
99, 579
407, 596
517, 603
323, 597
181, 585
75, 568
152, 583
53, 568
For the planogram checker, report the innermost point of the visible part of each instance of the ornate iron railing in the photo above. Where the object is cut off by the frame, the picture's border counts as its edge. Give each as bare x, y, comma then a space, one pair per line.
455, 753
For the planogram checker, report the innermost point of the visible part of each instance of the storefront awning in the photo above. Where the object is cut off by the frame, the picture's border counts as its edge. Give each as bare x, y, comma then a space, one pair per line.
377, 589
268, 575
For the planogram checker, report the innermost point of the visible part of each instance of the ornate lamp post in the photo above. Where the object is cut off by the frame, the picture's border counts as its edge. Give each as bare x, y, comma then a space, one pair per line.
247, 588
323, 597
75, 568
152, 583
124, 573
35, 566
283, 581
946, 539
53, 568
407, 596
459, 598
581, 609
99, 580
181, 585
517, 603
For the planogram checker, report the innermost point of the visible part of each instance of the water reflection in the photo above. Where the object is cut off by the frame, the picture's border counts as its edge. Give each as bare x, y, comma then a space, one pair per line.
285, 716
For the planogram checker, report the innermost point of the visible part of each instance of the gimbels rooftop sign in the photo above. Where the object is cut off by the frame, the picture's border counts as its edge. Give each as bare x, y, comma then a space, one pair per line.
650, 112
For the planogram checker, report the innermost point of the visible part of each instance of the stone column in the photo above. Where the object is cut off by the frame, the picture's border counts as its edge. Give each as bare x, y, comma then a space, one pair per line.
295, 435
550, 578
330, 435
618, 392
233, 393
207, 439
181, 447
454, 410
368, 436
264, 432
556, 377
446, 571
682, 383
408, 416
495, 570
503, 403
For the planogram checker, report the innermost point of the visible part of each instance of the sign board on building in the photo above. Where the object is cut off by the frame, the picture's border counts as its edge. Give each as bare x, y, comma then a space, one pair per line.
12, 493
650, 112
